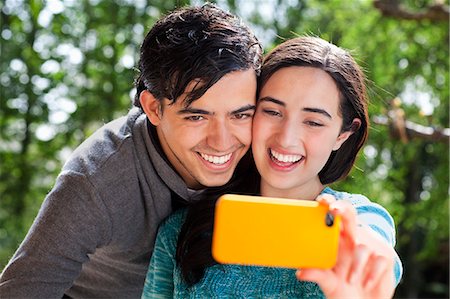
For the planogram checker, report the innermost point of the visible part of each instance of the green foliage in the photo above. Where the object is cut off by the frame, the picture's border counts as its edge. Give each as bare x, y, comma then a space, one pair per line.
65, 70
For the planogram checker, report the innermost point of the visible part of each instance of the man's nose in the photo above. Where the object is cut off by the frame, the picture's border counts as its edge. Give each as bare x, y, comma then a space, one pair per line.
220, 136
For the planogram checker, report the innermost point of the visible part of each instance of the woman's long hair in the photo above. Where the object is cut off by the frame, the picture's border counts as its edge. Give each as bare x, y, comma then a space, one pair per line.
193, 253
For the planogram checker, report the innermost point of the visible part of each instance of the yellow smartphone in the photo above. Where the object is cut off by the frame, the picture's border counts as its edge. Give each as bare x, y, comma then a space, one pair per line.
275, 232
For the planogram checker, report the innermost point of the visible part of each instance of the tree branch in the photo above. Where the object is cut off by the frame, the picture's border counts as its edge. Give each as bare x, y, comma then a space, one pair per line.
414, 130
392, 8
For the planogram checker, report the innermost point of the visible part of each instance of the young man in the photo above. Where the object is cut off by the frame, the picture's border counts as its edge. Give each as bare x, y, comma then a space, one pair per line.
94, 234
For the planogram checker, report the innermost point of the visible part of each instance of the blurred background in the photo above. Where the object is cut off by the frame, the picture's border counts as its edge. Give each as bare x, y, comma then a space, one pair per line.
67, 67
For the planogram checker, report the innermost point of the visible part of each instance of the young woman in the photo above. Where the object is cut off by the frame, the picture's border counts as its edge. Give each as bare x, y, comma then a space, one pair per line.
310, 123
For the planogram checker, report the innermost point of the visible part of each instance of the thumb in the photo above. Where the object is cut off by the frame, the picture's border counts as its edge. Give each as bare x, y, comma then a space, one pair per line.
325, 278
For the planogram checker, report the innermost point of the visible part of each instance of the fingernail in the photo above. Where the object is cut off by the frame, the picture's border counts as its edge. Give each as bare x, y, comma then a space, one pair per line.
336, 209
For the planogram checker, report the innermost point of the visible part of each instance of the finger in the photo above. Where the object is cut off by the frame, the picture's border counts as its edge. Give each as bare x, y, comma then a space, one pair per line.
344, 258
359, 263
324, 198
378, 273
325, 278
348, 217
378, 246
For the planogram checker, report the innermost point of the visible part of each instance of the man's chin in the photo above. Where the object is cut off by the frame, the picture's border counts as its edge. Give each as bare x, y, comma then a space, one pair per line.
216, 182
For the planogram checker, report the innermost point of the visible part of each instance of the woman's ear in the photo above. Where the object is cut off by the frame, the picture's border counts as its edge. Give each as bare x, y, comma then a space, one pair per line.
151, 107
343, 136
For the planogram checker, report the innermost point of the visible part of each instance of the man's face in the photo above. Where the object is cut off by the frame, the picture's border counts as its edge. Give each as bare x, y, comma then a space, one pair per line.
205, 141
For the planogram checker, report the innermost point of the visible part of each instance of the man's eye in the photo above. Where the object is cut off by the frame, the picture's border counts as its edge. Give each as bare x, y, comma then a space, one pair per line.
271, 112
194, 118
243, 115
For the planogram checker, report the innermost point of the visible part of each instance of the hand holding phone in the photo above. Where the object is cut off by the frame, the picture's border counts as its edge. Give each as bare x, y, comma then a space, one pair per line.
276, 232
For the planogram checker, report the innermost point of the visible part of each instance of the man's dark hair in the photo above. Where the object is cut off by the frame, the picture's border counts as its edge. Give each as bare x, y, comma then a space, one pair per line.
194, 44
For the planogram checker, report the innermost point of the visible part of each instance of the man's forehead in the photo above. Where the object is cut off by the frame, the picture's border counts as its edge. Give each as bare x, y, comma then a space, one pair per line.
224, 96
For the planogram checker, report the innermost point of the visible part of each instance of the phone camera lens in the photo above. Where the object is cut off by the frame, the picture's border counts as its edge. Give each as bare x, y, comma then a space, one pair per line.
329, 219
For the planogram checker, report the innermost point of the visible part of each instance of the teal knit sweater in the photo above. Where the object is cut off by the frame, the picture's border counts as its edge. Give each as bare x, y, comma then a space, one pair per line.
164, 278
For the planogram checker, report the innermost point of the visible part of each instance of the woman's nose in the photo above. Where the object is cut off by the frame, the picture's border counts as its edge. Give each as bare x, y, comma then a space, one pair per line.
289, 134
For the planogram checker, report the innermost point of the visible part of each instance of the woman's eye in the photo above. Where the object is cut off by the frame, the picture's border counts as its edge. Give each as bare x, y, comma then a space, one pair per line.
313, 124
194, 118
271, 112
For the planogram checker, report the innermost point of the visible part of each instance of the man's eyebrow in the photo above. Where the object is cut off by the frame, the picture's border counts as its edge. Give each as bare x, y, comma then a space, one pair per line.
270, 99
243, 109
317, 110
193, 111
204, 112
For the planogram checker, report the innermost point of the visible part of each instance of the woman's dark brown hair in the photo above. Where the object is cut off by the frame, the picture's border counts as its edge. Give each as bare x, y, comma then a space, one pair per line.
339, 64
193, 253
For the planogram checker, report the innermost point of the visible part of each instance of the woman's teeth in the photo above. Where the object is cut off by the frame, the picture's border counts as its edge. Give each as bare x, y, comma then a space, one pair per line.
285, 158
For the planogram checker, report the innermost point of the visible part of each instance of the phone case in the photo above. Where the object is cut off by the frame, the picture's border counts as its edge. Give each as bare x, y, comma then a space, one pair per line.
277, 232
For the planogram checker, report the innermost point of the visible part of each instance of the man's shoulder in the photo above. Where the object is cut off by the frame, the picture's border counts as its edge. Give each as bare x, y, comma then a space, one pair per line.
112, 141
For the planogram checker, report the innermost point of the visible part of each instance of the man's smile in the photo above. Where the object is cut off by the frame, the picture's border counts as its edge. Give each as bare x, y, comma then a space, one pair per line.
218, 160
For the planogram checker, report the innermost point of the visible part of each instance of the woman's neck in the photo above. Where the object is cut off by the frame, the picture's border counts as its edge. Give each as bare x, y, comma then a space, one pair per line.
304, 192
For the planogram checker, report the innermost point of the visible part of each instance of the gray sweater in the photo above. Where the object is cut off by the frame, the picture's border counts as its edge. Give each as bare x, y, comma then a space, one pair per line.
95, 231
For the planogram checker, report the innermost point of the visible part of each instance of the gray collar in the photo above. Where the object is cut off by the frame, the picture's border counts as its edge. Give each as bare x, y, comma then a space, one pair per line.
162, 167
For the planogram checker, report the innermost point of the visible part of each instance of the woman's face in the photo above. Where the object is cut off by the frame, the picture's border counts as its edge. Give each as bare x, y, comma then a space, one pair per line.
296, 127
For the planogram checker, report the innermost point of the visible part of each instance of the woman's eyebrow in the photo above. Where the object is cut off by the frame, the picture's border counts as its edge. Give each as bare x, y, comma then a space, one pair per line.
317, 110
273, 100
306, 109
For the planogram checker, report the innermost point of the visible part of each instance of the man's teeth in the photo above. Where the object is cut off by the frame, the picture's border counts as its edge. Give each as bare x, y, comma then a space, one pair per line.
216, 159
285, 158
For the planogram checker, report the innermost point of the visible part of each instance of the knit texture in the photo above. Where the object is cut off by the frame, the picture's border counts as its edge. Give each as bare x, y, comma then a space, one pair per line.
164, 279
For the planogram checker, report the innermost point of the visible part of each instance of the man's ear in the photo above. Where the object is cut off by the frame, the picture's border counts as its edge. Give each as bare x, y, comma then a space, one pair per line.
344, 135
151, 107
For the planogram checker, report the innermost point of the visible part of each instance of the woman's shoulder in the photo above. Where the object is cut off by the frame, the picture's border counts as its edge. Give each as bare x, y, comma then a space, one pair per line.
354, 198
362, 204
